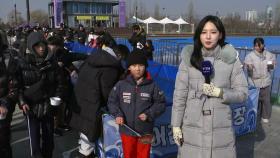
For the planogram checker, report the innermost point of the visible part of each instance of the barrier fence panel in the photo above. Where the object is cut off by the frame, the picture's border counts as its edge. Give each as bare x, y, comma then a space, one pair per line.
167, 51
162, 55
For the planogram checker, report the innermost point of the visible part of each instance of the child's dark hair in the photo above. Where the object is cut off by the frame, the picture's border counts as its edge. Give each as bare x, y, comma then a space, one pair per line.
196, 58
106, 39
56, 40
124, 51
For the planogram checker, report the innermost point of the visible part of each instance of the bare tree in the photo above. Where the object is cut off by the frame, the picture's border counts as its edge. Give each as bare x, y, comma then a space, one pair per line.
39, 16
277, 17
142, 10
190, 14
11, 18
135, 8
261, 17
131, 7
156, 11
234, 24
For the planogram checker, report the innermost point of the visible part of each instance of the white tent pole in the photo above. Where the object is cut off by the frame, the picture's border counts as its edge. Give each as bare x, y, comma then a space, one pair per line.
147, 28
192, 28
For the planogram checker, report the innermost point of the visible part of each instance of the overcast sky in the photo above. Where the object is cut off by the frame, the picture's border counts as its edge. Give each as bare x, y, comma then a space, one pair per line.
173, 7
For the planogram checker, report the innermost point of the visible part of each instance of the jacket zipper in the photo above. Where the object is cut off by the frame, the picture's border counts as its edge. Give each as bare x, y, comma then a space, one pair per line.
134, 110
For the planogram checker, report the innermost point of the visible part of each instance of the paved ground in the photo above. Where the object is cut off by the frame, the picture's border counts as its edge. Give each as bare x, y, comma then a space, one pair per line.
64, 145
264, 143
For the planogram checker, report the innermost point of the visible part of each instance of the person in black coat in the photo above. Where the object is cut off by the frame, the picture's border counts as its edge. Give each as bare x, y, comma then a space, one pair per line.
8, 98
39, 78
149, 49
138, 37
61, 30
81, 35
64, 59
97, 76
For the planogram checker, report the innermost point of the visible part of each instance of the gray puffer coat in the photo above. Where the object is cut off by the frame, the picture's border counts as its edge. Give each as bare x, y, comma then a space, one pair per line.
208, 136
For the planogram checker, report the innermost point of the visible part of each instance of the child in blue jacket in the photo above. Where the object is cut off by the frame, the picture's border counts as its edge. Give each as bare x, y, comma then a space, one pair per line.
136, 102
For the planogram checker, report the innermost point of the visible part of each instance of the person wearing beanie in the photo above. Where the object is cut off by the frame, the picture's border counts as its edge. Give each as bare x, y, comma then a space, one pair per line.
137, 57
136, 102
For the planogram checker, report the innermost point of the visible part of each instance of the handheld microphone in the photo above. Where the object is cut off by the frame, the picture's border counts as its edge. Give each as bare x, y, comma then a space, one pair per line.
207, 70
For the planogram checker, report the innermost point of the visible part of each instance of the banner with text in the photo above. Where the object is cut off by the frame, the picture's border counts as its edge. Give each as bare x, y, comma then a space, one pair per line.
58, 16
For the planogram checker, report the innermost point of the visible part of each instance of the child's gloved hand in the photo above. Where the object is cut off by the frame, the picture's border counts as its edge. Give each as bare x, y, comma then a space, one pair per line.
211, 90
119, 120
177, 135
143, 117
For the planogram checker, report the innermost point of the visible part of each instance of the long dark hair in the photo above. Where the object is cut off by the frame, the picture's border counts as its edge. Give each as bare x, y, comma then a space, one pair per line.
196, 57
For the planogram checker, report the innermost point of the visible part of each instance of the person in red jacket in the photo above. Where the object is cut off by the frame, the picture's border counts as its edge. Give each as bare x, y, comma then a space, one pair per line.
136, 102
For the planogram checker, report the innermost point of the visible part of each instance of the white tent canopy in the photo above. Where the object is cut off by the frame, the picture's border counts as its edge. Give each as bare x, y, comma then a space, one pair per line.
133, 20
166, 20
150, 20
180, 22
138, 19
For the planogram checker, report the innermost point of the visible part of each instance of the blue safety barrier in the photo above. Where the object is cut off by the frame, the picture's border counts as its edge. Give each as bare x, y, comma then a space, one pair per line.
76, 47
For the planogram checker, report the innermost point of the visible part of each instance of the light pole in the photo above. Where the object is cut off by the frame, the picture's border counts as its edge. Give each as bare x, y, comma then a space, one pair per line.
136, 13
164, 11
15, 13
27, 12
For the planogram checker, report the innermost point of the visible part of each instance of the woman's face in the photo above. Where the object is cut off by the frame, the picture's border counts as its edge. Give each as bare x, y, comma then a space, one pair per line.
259, 47
210, 36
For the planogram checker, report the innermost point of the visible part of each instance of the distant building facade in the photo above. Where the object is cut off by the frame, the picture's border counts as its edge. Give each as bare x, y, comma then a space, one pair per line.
251, 15
100, 13
269, 13
269, 16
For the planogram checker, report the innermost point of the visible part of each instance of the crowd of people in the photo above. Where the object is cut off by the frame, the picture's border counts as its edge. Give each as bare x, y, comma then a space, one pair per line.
40, 68
36, 67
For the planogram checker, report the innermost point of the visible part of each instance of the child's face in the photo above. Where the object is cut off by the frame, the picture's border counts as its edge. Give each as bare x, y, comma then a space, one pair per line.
137, 71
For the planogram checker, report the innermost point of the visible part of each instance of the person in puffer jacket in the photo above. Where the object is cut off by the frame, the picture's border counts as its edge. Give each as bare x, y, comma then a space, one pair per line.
8, 99
40, 78
136, 102
97, 76
201, 116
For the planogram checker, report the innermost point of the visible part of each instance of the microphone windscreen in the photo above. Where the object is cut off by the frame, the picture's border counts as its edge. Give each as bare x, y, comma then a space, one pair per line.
207, 68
